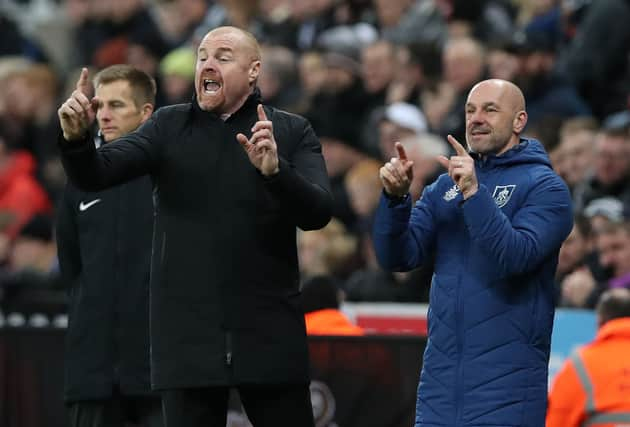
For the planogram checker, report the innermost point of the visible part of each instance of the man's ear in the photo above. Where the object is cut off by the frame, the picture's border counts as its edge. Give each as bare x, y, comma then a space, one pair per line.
519, 122
254, 71
147, 110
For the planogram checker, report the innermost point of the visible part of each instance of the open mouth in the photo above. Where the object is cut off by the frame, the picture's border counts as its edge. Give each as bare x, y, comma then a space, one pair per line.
210, 86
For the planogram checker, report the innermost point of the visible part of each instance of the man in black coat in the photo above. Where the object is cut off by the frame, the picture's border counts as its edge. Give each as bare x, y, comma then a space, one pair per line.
232, 181
104, 250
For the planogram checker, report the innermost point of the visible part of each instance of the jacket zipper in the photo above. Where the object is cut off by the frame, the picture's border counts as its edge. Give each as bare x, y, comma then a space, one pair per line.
228, 348
460, 346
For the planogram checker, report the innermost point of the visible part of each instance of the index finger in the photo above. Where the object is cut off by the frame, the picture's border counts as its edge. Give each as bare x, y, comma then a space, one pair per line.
402, 155
459, 148
82, 83
261, 113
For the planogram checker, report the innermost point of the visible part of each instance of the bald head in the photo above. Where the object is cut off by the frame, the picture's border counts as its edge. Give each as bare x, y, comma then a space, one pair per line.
227, 69
495, 116
510, 94
247, 39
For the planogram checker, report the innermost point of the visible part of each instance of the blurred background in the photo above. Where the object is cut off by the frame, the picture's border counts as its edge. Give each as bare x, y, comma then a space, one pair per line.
366, 73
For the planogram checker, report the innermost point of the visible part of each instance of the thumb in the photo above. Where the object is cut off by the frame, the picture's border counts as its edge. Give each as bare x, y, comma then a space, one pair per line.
242, 139
443, 161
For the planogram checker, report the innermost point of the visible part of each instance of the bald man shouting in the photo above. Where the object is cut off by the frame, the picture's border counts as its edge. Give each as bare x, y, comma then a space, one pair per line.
495, 221
232, 181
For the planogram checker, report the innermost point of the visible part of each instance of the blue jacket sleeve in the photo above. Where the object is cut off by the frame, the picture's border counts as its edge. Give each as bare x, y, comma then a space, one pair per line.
535, 232
402, 235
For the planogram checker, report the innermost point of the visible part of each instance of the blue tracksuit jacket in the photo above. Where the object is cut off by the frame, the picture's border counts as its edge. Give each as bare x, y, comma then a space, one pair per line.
491, 305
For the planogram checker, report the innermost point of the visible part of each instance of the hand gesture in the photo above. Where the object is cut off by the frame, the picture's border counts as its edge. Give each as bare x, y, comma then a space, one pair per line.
461, 167
78, 113
396, 175
261, 148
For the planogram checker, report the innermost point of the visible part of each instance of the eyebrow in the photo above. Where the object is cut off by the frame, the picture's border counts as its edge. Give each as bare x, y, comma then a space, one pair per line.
484, 105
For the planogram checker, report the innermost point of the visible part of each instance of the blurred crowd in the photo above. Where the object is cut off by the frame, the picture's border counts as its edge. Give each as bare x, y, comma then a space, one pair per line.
366, 73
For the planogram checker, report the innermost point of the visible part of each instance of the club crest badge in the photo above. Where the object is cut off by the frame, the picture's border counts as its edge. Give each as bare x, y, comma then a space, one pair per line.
451, 193
502, 194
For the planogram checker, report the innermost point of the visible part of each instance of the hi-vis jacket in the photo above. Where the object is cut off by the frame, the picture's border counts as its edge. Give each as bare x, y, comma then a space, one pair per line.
491, 304
593, 387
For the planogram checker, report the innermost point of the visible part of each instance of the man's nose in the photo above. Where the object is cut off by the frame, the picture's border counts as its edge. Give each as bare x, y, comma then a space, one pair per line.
476, 117
103, 113
210, 64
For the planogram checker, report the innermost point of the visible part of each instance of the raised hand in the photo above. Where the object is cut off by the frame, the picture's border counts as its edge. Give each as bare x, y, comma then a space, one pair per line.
461, 167
396, 175
77, 114
261, 148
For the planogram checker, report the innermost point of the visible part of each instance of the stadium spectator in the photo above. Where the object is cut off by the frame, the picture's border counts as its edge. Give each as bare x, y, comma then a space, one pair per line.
591, 388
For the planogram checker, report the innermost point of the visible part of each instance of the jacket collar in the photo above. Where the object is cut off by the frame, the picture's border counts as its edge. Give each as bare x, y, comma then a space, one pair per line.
250, 105
614, 329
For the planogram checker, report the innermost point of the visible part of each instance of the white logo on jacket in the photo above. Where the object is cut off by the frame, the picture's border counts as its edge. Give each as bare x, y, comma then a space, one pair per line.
451, 193
502, 194
85, 206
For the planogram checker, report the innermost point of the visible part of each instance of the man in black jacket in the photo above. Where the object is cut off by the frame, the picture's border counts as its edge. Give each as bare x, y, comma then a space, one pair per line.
232, 181
104, 248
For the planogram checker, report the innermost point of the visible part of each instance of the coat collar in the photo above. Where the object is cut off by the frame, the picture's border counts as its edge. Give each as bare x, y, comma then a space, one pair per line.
248, 107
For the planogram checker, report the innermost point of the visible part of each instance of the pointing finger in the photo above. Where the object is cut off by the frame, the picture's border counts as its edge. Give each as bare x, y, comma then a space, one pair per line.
82, 83
242, 139
402, 155
261, 113
459, 148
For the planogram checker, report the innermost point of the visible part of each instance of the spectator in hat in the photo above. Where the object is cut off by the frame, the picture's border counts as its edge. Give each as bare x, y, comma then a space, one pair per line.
32, 263
177, 74
612, 244
399, 121
34, 247
423, 150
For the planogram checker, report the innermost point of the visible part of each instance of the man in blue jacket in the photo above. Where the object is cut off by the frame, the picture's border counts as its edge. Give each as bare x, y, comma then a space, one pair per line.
495, 222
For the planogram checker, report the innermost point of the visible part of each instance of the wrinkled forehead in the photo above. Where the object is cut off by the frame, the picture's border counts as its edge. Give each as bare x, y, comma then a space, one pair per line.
486, 93
229, 39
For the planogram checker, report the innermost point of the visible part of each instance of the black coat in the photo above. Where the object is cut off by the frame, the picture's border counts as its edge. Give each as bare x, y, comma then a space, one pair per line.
225, 302
104, 248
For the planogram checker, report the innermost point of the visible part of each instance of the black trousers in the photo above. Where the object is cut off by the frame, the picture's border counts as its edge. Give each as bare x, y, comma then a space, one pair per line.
118, 411
265, 406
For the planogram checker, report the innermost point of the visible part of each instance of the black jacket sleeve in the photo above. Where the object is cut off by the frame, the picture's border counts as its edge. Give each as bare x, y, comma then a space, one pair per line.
68, 250
302, 183
119, 161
